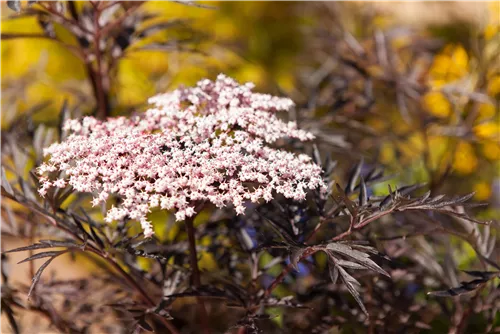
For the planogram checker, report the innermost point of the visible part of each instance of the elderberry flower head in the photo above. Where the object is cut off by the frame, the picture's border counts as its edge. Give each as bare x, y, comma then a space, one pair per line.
203, 144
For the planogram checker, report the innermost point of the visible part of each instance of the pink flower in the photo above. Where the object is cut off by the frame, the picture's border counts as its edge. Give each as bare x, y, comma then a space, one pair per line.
207, 143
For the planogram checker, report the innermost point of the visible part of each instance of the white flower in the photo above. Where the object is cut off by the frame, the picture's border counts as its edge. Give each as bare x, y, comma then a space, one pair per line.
214, 149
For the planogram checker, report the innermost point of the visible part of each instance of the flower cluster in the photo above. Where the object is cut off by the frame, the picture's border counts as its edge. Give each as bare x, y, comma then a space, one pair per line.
206, 143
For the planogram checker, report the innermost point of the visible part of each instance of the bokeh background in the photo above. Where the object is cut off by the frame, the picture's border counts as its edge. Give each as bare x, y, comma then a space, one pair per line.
414, 87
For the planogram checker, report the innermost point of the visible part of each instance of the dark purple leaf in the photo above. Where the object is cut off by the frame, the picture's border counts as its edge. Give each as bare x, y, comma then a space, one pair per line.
42, 255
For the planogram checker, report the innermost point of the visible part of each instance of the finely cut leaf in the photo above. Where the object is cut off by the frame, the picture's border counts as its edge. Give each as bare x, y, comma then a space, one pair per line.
45, 244
26, 248
38, 274
350, 283
356, 256
353, 177
350, 265
42, 255
295, 256
96, 238
466, 287
333, 270
10, 317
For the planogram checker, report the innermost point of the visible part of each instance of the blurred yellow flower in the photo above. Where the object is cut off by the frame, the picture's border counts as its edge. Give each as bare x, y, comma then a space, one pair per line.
494, 85
452, 64
490, 31
465, 160
207, 261
437, 104
486, 111
143, 263
387, 154
439, 154
491, 150
488, 130
482, 190
493, 25
132, 86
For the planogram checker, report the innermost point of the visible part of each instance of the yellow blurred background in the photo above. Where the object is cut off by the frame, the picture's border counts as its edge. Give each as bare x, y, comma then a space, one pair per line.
270, 44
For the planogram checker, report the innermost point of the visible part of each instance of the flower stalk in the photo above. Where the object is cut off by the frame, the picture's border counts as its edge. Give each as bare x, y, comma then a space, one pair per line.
195, 278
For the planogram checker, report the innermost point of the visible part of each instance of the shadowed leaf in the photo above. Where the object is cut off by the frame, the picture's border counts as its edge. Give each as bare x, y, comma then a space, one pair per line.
10, 317
351, 283
42, 255
466, 287
295, 256
15, 5
353, 177
355, 256
38, 274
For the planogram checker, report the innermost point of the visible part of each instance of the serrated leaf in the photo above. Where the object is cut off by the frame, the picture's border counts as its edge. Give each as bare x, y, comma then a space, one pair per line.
42, 255
466, 287
425, 196
356, 256
60, 243
464, 198
464, 216
350, 283
406, 190
80, 227
26, 248
333, 270
350, 264
353, 177
96, 238
46, 244
38, 274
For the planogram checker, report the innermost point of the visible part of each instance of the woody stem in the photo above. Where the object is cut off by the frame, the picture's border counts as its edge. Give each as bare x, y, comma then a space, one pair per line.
193, 259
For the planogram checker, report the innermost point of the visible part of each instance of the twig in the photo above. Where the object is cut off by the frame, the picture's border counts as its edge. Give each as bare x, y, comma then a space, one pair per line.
285, 272
102, 101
